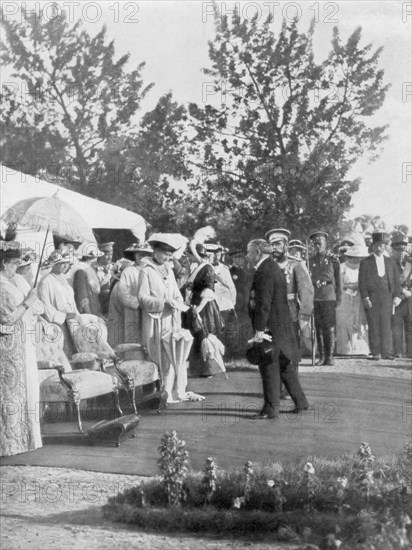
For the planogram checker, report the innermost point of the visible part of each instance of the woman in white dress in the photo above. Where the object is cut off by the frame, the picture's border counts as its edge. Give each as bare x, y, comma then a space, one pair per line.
351, 324
57, 295
19, 384
161, 303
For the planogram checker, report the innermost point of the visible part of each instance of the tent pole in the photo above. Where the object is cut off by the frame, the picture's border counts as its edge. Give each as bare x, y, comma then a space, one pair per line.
41, 256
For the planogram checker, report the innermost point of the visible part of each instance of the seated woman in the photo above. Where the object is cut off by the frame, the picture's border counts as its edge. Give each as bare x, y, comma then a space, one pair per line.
19, 385
200, 294
86, 284
57, 296
161, 303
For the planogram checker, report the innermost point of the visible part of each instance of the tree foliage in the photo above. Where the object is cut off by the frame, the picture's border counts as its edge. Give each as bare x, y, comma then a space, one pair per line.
278, 149
73, 117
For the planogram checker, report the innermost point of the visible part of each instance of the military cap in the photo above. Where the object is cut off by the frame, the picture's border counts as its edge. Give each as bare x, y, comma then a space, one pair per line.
399, 239
296, 243
318, 232
278, 234
213, 247
237, 253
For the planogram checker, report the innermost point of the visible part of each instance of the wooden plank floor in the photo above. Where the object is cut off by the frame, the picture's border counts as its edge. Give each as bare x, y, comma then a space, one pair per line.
345, 411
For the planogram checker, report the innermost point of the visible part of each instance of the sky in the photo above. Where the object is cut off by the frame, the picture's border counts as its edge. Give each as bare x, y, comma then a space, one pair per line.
171, 38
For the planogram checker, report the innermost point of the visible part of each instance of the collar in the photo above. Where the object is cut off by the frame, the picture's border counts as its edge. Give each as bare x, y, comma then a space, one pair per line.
261, 262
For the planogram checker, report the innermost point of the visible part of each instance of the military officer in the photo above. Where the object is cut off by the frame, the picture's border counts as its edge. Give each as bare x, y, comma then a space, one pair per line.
402, 317
299, 285
324, 269
296, 249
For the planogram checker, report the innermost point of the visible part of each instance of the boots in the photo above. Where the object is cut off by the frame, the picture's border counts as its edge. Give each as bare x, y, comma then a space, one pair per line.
321, 347
329, 343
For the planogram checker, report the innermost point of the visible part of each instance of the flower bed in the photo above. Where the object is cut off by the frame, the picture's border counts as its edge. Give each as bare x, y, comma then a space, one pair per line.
351, 502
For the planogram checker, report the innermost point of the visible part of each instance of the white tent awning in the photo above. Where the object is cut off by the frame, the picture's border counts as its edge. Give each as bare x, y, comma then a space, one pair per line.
16, 186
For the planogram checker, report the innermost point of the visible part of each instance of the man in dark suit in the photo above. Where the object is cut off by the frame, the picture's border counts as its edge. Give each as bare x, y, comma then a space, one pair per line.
379, 287
269, 311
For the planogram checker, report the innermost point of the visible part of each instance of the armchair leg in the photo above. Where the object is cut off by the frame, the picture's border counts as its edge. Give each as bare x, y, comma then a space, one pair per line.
79, 420
117, 402
133, 399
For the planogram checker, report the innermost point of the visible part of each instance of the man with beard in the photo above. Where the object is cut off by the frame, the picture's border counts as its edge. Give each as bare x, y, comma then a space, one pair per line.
269, 313
299, 286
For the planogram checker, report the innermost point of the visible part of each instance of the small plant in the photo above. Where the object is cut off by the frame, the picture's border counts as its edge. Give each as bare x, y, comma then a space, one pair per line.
209, 479
248, 471
275, 489
174, 465
362, 471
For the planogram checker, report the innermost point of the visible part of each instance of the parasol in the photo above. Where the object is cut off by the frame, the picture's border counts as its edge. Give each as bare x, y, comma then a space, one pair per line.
50, 214
177, 343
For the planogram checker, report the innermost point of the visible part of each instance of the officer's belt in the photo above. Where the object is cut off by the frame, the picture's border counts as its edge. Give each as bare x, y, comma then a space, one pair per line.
293, 296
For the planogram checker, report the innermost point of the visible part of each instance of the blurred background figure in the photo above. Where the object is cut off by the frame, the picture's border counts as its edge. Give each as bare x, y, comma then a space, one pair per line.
402, 317
86, 284
351, 324
297, 249
105, 268
25, 267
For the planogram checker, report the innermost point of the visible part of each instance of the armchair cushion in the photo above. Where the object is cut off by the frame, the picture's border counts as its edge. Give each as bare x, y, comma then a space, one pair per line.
88, 383
142, 372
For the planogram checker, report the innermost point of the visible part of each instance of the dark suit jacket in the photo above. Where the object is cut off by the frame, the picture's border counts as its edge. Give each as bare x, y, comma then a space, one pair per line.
369, 280
268, 308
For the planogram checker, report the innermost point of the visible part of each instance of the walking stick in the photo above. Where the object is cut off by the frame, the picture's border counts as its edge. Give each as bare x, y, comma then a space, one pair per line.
312, 317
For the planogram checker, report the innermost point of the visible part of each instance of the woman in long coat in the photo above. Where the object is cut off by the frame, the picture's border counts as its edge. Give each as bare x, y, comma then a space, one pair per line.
124, 320
351, 323
161, 303
19, 384
86, 284
200, 294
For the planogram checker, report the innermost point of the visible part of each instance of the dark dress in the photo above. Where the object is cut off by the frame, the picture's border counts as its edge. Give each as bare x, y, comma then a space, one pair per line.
211, 321
86, 291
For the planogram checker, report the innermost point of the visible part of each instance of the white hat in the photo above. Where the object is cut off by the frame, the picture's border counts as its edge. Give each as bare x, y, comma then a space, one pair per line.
170, 240
356, 251
89, 250
278, 234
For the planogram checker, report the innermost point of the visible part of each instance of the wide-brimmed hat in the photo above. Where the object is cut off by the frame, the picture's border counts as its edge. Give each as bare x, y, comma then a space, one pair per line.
278, 234
28, 256
296, 243
357, 251
167, 241
56, 258
89, 251
318, 232
137, 248
399, 239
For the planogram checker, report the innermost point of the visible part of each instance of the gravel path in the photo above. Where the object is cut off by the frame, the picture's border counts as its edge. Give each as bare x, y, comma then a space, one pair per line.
56, 508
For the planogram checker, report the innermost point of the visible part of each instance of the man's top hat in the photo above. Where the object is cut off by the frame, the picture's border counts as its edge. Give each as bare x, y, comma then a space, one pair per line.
378, 237
260, 353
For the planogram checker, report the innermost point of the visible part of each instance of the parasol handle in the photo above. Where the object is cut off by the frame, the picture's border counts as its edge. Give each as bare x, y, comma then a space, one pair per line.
41, 256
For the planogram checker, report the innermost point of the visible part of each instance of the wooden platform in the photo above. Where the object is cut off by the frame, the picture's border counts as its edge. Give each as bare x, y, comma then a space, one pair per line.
346, 410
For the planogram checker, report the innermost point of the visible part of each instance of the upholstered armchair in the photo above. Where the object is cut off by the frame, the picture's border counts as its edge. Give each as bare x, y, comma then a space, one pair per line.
134, 369
74, 386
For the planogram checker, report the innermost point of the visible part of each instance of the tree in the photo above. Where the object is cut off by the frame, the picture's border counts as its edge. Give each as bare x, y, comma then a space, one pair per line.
278, 149
73, 98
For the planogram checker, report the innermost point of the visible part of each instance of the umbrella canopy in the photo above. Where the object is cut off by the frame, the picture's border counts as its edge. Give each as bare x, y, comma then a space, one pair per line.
50, 213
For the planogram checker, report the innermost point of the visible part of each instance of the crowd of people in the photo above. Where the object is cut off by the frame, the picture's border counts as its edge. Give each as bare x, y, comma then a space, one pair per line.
195, 306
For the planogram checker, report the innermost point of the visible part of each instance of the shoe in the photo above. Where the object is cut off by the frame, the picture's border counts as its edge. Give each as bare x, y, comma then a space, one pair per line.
374, 358
296, 410
263, 416
321, 349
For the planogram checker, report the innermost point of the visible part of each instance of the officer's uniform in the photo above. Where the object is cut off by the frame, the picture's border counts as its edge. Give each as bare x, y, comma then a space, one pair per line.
325, 273
402, 317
